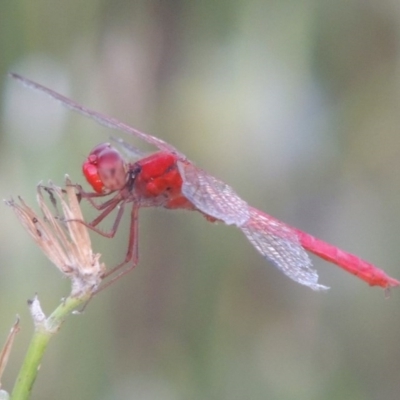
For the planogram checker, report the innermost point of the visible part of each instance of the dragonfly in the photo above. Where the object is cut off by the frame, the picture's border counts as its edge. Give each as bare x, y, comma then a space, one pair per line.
168, 179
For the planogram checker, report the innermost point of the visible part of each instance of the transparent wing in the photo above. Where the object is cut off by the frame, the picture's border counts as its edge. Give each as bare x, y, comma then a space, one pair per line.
104, 120
280, 244
132, 152
212, 196
273, 239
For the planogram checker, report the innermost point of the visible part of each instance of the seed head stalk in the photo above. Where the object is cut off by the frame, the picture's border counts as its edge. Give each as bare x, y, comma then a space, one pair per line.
66, 242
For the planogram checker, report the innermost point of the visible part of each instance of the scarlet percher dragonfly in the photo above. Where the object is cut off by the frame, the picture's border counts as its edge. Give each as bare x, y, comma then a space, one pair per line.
168, 179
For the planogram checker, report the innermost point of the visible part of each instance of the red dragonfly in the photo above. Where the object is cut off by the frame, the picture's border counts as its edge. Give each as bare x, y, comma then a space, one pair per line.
168, 179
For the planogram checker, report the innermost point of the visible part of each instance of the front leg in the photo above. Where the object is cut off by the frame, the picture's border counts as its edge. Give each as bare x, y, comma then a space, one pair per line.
112, 204
89, 196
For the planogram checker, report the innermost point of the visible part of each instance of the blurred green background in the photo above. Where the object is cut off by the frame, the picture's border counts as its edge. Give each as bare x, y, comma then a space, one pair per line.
293, 103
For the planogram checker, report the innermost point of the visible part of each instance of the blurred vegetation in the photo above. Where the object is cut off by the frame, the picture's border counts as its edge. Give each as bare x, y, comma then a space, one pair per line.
293, 103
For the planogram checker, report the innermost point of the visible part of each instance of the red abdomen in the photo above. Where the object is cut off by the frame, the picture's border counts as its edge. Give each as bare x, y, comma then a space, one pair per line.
349, 262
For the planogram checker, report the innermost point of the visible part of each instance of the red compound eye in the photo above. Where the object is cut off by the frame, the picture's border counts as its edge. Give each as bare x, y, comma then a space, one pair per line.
104, 169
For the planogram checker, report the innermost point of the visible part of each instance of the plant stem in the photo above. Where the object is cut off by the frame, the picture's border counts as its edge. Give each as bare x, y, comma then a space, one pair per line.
44, 330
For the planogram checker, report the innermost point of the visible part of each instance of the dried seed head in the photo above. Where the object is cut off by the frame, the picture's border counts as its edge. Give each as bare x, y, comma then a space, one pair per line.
66, 244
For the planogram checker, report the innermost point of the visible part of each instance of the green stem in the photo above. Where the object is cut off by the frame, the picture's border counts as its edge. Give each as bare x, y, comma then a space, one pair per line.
43, 333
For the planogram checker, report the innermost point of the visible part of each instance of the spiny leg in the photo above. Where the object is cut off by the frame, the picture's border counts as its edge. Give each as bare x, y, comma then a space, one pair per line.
89, 196
92, 225
131, 255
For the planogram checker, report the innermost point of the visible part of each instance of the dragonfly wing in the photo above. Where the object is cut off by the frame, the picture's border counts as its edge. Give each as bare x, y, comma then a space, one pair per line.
280, 244
131, 151
212, 196
273, 239
108, 122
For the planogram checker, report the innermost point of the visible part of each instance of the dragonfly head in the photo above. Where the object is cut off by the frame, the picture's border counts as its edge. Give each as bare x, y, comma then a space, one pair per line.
105, 169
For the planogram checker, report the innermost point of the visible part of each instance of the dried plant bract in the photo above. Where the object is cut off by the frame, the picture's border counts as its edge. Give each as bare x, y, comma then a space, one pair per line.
64, 240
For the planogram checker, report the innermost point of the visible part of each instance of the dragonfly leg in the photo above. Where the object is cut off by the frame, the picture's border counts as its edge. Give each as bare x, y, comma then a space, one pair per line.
89, 196
93, 225
131, 255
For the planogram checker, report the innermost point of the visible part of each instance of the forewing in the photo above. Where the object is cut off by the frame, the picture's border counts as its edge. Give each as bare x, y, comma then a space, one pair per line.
104, 120
212, 196
279, 244
132, 152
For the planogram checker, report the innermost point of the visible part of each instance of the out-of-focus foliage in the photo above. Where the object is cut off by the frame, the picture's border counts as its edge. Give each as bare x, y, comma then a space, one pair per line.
293, 103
